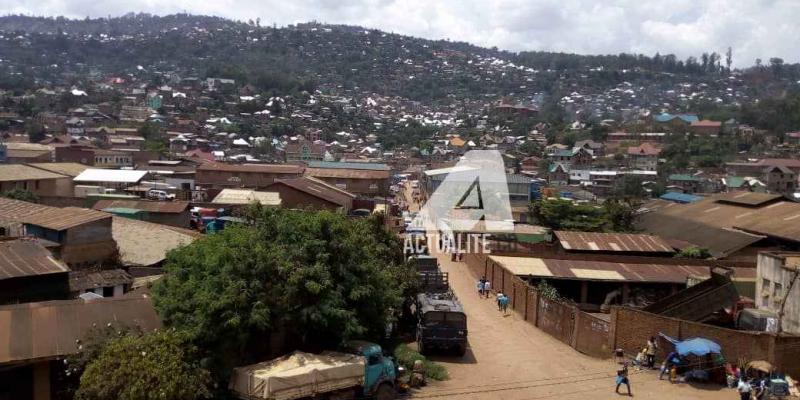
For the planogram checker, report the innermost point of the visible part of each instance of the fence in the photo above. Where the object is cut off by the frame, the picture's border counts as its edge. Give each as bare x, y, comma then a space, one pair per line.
626, 328
582, 331
632, 328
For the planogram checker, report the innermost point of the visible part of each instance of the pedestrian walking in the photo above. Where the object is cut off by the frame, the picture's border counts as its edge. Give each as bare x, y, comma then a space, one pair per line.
481, 287
487, 287
744, 389
622, 379
651, 352
504, 304
499, 301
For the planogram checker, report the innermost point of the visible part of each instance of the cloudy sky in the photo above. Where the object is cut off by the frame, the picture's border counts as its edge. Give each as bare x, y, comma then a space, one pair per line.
754, 28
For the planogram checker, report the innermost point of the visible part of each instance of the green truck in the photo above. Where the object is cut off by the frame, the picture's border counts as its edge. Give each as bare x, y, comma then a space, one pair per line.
359, 370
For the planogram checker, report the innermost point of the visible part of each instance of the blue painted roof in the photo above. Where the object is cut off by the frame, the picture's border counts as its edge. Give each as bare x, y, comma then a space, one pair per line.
679, 197
666, 117
348, 165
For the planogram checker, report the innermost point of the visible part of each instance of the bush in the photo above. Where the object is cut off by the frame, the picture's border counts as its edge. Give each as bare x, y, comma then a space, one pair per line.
406, 357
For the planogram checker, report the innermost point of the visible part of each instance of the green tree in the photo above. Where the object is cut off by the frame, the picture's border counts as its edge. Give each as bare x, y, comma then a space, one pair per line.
159, 365
621, 215
21, 194
630, 187
558, 214
319, 276
36, 132
694, 252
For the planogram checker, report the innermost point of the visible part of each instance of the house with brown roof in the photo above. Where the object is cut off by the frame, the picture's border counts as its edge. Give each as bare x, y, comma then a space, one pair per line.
643, 157
18, 153
309, 192
79, 237
173, 213
304, 150
368, 179
613, 243
217, 175
706, 127
36, 337
35, 180
28, 272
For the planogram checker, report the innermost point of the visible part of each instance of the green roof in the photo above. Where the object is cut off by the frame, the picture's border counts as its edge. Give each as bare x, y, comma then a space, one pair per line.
123, 211
734, 181
683, 177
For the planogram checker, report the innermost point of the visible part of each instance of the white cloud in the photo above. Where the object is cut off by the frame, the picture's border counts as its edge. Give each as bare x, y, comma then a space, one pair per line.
754, 28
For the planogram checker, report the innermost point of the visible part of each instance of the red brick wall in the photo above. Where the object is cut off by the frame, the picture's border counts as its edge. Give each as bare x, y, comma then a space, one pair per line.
631, 329
591, 335
556, 319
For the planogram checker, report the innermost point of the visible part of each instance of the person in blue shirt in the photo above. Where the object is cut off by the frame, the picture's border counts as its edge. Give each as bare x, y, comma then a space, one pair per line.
672, 360
622, 379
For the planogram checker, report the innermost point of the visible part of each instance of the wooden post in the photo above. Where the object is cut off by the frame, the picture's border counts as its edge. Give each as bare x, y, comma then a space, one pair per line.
584, 292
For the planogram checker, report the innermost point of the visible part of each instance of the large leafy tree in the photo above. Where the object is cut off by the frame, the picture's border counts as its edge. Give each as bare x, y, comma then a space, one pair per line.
159, 365
317, 276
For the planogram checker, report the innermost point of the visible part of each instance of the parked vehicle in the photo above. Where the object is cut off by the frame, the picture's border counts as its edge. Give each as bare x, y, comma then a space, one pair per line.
441, 323
359, 370
155, 194
425, 263
751, 319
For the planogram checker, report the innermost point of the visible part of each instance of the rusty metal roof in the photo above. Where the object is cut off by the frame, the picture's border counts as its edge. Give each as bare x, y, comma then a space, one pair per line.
608, 271
615, 242
64, 218
48, 330
20, 258
748, 198
85, 280
348, 173
778, 219
320, 189
262, 168
48, 217
167, 207
20, 172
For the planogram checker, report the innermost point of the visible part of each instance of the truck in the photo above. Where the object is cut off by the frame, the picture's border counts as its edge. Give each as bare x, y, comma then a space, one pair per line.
359, 370
441, 322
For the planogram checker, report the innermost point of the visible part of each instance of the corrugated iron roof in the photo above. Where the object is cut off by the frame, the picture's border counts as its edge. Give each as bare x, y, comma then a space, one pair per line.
20, 172
318, 188
607, 271
748, 198
66, 168
778, 219
86, 280
247, 196
64, 218
144, 244
48, 217
262, 168
168, 207
348, 173
616, 242
19, 258
52, 329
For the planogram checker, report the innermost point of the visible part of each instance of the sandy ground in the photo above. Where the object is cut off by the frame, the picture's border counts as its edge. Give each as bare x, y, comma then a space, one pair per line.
510, 359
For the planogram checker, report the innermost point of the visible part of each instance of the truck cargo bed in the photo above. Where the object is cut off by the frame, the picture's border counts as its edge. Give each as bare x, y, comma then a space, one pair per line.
298, 375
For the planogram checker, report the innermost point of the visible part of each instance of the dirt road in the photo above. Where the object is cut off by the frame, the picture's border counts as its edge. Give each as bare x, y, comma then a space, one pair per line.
512, 360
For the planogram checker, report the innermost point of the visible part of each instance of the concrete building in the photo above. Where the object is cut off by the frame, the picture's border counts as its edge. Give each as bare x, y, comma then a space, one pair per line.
252, 176
34, 180
777, 289
77, 236
367, 179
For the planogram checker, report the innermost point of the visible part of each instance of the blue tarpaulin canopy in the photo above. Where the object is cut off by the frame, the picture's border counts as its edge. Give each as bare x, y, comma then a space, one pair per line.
694, 346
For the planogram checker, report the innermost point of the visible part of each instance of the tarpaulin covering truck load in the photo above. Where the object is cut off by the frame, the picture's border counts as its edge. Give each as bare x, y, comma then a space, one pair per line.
360, 371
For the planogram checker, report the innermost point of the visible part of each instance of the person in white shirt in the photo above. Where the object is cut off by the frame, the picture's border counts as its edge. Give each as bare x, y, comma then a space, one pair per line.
744, 389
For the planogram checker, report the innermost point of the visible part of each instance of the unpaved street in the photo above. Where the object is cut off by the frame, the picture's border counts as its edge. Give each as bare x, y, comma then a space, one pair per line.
511, 359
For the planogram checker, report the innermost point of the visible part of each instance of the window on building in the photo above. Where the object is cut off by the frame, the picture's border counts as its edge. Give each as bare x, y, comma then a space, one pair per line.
765, 290
777, 293
373, 186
